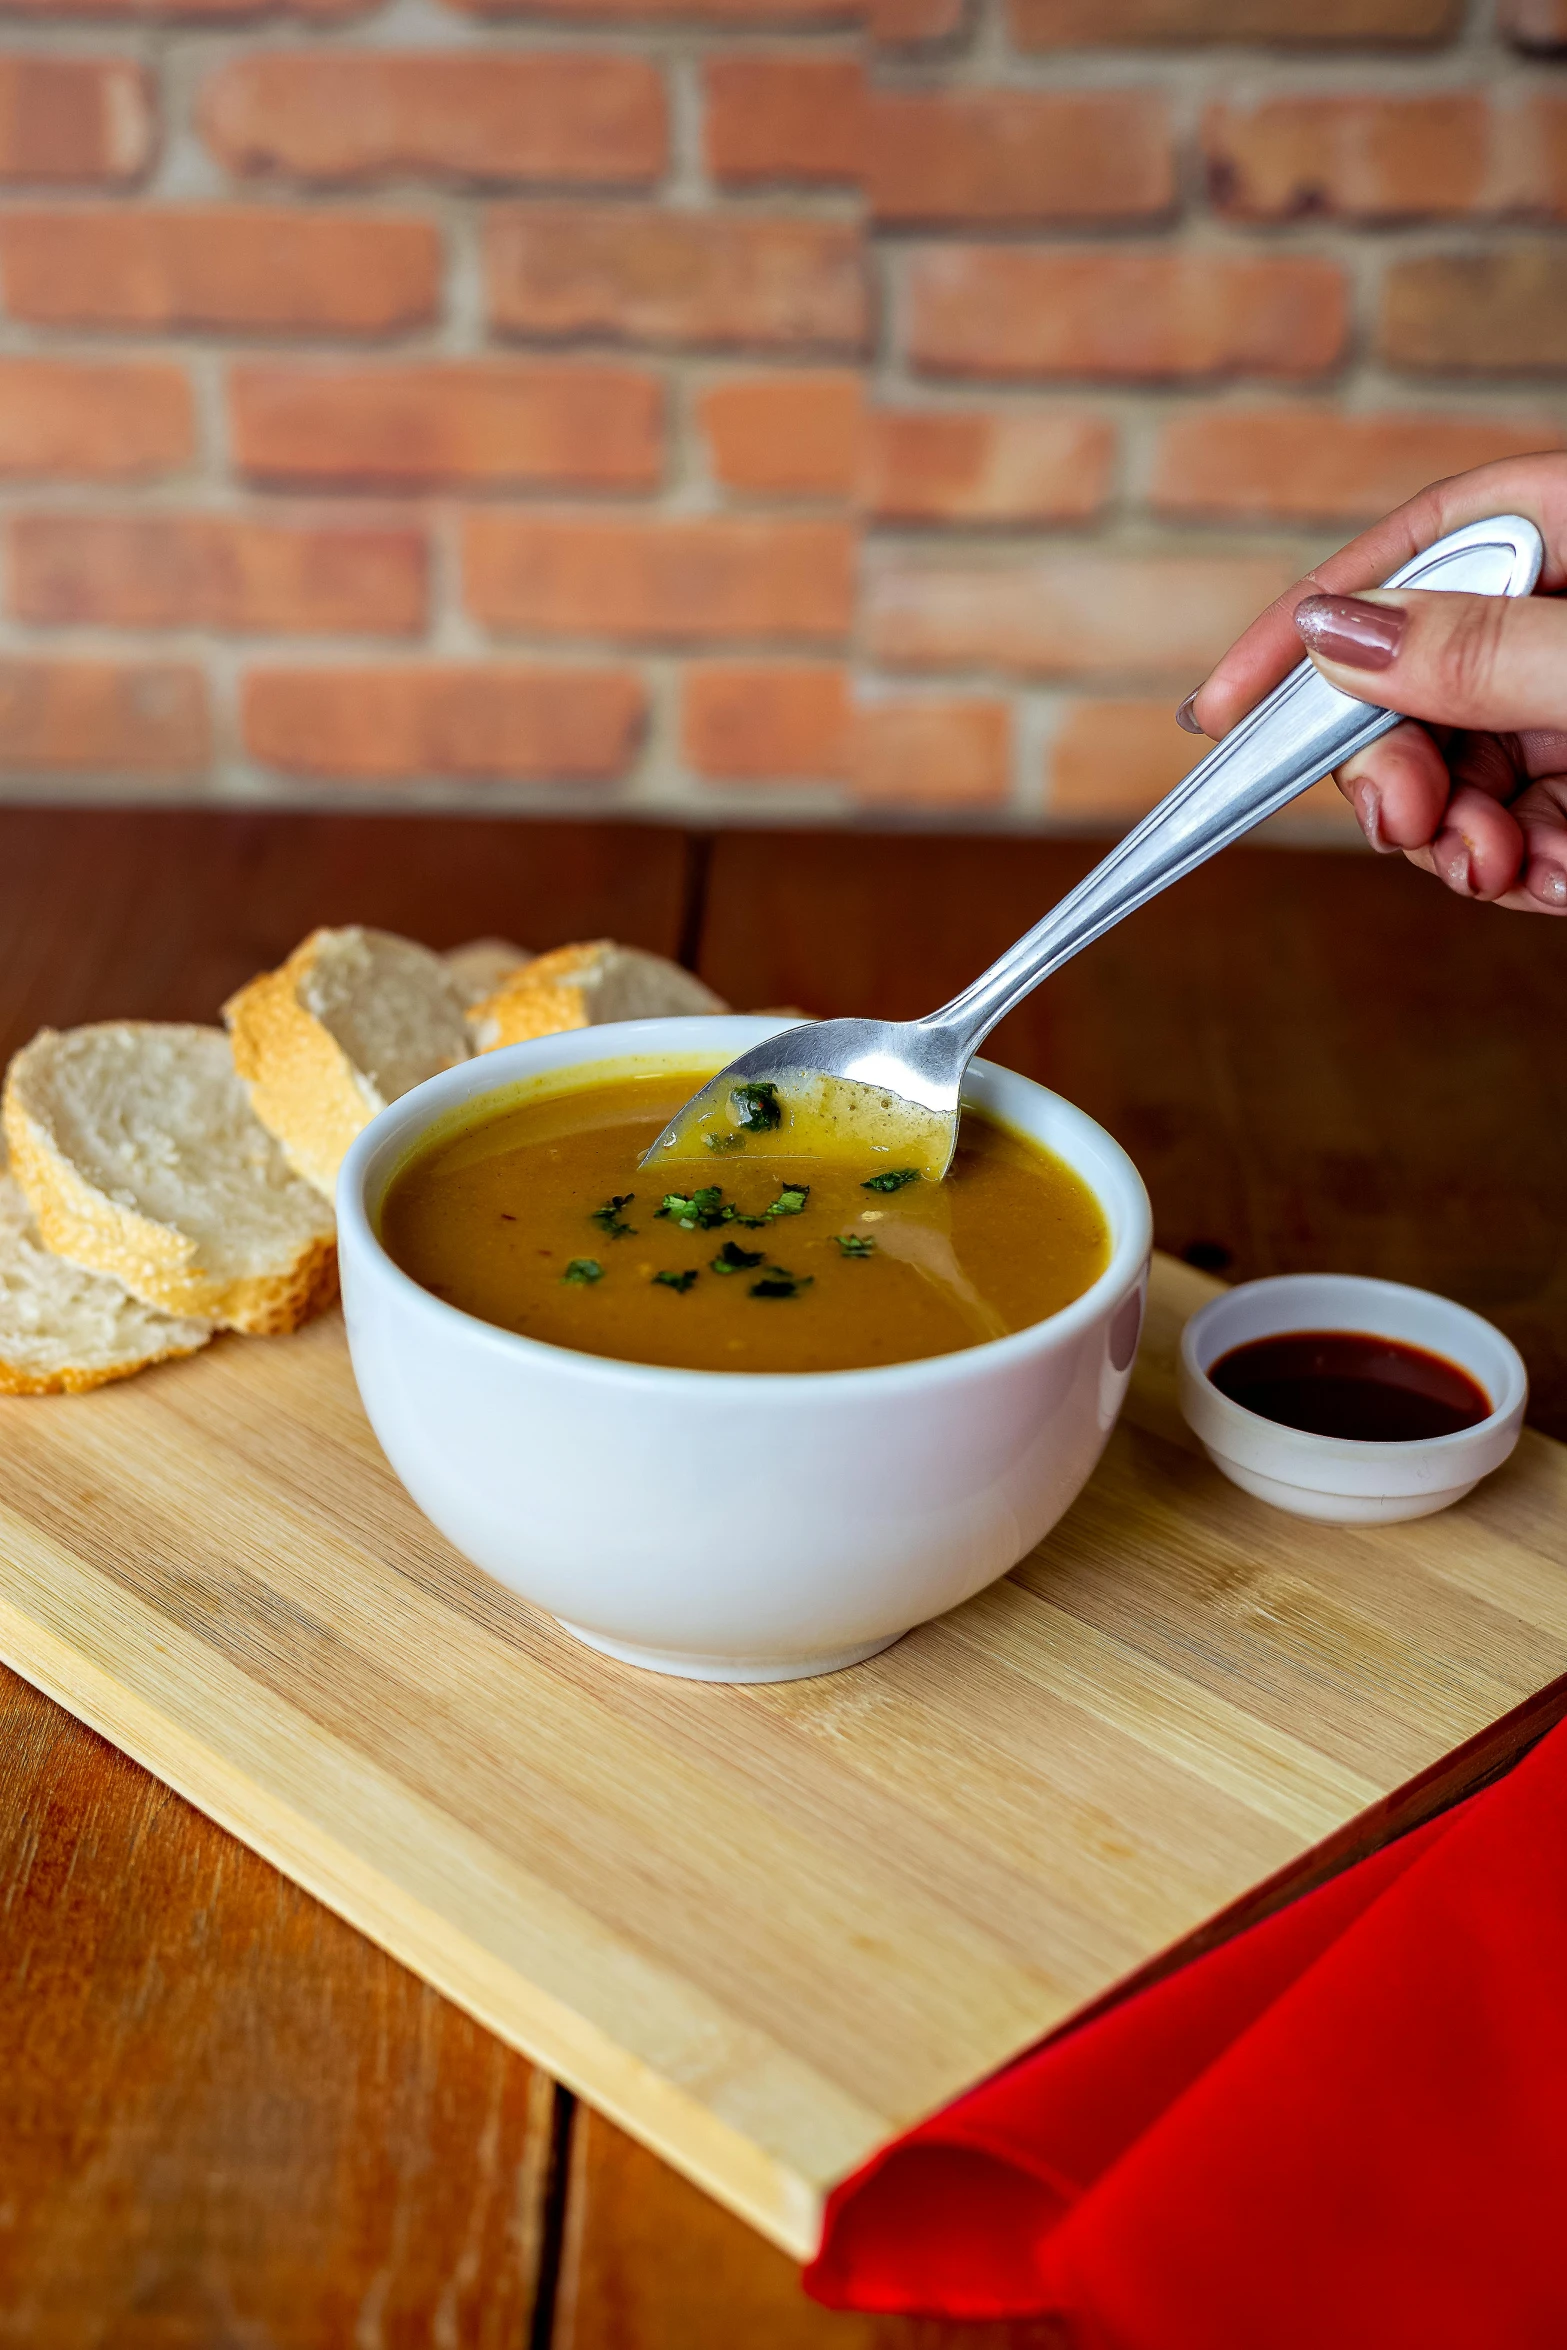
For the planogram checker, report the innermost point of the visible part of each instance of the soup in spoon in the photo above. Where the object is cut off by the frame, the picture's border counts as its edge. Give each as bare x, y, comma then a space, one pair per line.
533, 1214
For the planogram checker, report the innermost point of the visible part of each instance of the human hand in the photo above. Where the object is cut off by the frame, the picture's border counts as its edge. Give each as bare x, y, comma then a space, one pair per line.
1477, 792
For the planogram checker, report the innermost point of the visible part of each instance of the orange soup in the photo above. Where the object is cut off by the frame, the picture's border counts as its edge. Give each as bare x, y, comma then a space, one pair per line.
534, 1215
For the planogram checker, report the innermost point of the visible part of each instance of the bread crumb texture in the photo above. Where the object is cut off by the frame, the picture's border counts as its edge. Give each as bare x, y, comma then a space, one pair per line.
140, 1156
64, 1329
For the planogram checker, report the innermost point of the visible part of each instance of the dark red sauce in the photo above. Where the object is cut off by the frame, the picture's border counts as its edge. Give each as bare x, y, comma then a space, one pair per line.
1347, 1383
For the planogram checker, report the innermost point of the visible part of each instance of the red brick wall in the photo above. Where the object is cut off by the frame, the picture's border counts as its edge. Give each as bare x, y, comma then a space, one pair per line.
729, 404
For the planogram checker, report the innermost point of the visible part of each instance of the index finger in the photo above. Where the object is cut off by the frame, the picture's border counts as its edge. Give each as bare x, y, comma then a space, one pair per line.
1270, 648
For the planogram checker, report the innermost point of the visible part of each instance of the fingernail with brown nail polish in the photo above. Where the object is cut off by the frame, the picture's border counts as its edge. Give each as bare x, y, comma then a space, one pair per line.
1349, 630
1183, 716
1450, 854
1548, 883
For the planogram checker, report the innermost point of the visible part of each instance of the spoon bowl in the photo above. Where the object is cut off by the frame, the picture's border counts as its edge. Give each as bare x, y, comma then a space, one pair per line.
895, 1082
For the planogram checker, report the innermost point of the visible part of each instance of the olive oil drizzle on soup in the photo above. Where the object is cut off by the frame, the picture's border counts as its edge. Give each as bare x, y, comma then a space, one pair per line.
534, 1215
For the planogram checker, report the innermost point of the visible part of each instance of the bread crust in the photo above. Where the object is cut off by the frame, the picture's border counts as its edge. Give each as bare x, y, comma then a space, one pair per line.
571, 986
302, 1085
543, 998
154, 1261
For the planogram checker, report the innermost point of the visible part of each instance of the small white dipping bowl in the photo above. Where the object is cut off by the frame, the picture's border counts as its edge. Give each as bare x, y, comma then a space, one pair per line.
733, 1526
1336, 1476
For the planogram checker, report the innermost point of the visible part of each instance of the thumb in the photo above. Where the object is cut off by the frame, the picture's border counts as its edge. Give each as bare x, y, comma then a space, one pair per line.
1492, 663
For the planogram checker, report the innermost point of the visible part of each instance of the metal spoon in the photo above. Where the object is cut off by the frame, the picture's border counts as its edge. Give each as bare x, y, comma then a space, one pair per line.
900, 1079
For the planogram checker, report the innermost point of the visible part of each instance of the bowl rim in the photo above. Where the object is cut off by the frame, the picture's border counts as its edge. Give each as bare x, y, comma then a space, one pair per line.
1306, 1444
1128, 1254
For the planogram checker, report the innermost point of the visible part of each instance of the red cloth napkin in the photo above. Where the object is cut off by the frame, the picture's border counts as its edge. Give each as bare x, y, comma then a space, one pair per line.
1346, 2127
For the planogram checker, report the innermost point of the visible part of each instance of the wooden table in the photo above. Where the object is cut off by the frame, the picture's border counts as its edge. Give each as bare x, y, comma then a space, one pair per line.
224, 2117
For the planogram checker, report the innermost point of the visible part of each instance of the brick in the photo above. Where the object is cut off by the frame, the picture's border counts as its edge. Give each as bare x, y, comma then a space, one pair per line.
789, 436
679, 279
653, 580
1096, 24
1073, 613
731, 15
97, 718
1111, 761
94, 420
800, 119
475, 722
1369, 159
468, 722
969, 156
1535, 24
216, 571
909, 24
925, 752
220, 12
1351, 158
985, 465
354, 114
79, 120
737, 15
1004, 311
220, 266
1535, 135
480, 422
1497, 313
1318, 465
754, 722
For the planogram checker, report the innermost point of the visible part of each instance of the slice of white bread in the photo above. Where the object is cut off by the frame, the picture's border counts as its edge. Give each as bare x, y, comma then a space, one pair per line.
584, 987
141, 1158
353, 1019
483, 965
63, 1330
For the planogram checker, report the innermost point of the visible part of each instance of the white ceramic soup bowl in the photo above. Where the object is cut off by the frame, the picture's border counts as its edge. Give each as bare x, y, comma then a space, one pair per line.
733, 1526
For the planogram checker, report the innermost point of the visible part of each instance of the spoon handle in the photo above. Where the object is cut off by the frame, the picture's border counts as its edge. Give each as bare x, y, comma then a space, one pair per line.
1303, 729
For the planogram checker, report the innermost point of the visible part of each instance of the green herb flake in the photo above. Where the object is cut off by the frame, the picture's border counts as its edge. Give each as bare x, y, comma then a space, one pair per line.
853, 1245
894, 1179
780, 1282
609, 1219
679, 1282
791, 1199
732, 1258
756, 1108
697, 1212
583, 1269
724, 1142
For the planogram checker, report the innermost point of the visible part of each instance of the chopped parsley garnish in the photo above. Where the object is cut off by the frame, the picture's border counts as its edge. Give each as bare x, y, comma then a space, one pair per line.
732, 1258
609, 1218
724, 1142
853, 1245
791, 1199
756, 1107
583, 1269
894, 1179
679, 1282
698, 1212
780, 1282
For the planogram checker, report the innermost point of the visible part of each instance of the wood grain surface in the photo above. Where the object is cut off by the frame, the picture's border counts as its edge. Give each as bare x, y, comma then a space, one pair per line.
649, 2263
1314, 1058
224, 2118
158, 914
763, 1928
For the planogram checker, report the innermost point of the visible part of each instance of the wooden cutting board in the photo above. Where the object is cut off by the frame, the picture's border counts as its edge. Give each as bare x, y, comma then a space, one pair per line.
766, 1928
